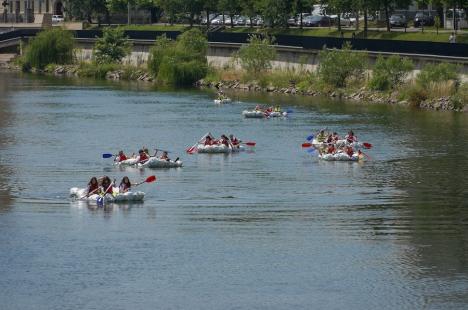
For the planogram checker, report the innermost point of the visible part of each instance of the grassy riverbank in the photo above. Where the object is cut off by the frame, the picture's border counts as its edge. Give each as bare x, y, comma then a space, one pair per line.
341, 73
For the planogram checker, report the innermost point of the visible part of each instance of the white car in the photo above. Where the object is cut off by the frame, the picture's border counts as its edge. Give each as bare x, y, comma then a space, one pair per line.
57, 18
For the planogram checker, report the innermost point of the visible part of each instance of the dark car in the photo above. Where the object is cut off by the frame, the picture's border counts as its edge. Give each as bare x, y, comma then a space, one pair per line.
398, 20
422, 19
316, 21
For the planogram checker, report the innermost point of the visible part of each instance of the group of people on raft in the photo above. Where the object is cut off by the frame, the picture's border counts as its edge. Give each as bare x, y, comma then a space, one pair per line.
143, 156
224, 140
328, 143
268, 110
104, 185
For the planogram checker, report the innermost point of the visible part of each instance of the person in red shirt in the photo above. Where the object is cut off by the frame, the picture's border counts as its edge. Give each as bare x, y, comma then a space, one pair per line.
106, 186
349, 151
234, 140
208, 140
121, 156
331, 149
350, 137
125, 185
93, 186
142, 157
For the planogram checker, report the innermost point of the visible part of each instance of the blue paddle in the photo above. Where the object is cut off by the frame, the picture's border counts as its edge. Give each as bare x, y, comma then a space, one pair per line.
289, 111
310, 138
107, 155
311, 151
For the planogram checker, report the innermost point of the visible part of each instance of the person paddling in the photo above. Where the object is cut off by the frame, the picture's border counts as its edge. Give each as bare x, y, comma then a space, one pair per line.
321, 136
349, 151
93, 186
224, 140
234, 140
350, 137
121, 156
125, 185
165, 156
142, 157
106, 186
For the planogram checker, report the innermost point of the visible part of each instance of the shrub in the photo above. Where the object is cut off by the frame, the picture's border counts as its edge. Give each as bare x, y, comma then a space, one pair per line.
460, 99
112, 47
50, 46
437, 73
416, 94
157, 53
95, 70
337, 66
182, 62
256, 56
390, 72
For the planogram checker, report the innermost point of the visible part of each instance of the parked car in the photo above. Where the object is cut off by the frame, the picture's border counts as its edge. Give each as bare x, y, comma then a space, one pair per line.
422, 19
398, 20
57, 18
317, 21
212, 16
240, 20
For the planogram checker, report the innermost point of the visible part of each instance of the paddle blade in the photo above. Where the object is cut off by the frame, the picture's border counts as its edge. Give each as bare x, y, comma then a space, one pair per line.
289, 111
306, 144
310, 138
107, 155
367, 145
191, 150
250, 143
150, 179
311, 151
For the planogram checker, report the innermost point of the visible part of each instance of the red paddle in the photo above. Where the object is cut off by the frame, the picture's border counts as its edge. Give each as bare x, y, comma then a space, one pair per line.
306, 144
250, 143
367, 145
149, 179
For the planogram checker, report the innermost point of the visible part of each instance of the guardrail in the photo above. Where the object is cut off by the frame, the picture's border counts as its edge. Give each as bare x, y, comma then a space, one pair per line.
305, 42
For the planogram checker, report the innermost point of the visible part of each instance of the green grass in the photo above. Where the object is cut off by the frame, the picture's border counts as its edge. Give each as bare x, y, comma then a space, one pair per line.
427, 35
156, 27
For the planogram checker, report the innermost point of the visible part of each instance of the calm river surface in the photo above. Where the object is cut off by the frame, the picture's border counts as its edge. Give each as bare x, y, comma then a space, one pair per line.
270, 229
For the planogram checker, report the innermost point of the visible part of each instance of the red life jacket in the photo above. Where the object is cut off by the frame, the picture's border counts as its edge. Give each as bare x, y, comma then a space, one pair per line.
143, 157
93, 188
122, 157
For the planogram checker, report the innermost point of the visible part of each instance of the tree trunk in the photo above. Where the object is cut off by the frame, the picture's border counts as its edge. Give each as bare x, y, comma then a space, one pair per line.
232, 20
357, 20
301, 21
387, 19
339, 22
365, 23
192, 17
250, 18
207, 19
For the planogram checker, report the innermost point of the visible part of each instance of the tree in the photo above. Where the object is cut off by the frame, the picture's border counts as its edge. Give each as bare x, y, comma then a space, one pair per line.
209, 6
231, 6
249, 8
87, 9
193, 8
299, 7
275, 12
112, 46
256, 56
390, 72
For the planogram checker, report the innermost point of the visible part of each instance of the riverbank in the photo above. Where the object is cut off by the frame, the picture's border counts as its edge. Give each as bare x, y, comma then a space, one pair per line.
443, 103
362, 94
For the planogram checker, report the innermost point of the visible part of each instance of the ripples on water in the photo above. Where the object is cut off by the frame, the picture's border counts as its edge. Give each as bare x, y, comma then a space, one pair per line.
269, 228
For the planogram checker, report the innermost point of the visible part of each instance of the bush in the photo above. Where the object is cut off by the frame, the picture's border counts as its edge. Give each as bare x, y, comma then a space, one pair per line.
95, 70
182, 62
416, 94
437, 73
337, 66
112, 47
157, 52
388, 73
460, 99
50, 46
256, 56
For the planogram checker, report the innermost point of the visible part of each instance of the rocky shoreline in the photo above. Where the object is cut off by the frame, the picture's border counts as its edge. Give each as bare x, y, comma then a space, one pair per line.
361, 95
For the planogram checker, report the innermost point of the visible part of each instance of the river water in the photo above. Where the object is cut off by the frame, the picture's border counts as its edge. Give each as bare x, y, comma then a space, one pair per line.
272, 228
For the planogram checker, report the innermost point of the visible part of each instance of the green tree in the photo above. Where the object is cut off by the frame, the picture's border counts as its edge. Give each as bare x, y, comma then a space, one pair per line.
337, 66
389, 73
87, 9
249, 8
256, 56
193, 8
112, 46
299, 7
275, 13
232, 7
54, 45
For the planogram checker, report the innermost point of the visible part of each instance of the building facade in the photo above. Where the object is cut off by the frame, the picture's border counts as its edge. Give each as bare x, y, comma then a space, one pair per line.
29, 11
